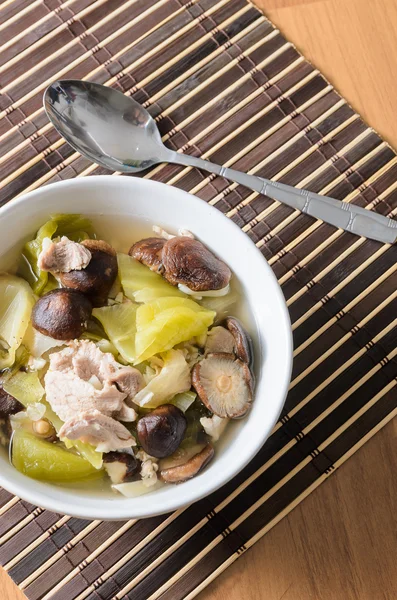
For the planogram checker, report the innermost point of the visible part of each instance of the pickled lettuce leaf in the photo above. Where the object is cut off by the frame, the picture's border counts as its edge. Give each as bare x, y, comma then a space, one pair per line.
166, 322
140, 284
174, 378
75, 227
38, 343
184, 400
25, 387
16, 303
133, 489
222, 305
119, 323
45, 461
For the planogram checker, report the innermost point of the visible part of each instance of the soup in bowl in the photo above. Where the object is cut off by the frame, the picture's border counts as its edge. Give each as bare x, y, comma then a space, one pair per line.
146, 348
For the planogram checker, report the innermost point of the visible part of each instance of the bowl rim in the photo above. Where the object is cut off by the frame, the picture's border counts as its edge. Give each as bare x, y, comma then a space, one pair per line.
42, 500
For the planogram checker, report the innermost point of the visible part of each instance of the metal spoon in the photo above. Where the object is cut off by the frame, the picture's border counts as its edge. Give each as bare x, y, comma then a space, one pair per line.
116, 132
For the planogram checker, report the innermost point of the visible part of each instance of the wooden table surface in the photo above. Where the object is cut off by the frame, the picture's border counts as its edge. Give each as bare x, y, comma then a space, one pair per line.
341, 542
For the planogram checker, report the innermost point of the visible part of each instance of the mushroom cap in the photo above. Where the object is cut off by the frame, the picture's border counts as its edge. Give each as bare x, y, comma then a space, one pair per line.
149, 252
189, 262
121, 466
98, 276
219, 339
8, 404
242, 341
61, 314
224, 385
190, 468
161, 431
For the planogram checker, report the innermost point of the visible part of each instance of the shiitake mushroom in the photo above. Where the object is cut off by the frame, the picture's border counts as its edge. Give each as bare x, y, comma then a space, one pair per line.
161, 431
231, 338
242, 341
61, 314
224, 384
149, 252
96, 280
121, 467
188, 262
8, 404
190, 468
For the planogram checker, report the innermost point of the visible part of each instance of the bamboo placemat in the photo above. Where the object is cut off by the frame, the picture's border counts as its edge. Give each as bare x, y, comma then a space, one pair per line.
222, 83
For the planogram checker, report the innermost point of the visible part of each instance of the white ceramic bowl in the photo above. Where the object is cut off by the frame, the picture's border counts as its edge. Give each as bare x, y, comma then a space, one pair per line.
158, 203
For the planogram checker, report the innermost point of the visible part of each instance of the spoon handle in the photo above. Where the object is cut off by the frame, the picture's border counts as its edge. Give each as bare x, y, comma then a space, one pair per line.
344, 215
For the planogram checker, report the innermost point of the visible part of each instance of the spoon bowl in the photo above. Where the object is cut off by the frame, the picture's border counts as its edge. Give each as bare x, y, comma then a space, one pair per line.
105, 125
117, 133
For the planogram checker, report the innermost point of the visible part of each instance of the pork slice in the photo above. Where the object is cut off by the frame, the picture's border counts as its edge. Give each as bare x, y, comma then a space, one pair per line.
69, 395
63, 256
128, 380
92, 427
88, 360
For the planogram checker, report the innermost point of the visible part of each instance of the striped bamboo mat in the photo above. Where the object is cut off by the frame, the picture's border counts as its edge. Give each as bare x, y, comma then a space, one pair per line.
223, 83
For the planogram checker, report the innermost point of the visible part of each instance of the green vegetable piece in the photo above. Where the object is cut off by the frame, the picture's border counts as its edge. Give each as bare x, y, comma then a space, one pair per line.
42, 460
140, 284
25, 387
75, 227
174, 378
166, 322
183, 401
119, 323
16, 303
222, 305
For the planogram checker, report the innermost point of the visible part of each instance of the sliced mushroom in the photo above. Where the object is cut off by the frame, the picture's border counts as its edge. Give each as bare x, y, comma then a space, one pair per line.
8, 404
61, 314
242, 341
121, 466
224, 385
148, 252
188, 469
97, 279
161, 431
189, 262
219, 339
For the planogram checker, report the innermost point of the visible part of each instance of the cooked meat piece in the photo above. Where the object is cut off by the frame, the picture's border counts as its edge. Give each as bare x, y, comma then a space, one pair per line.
148, 252
63, 256
214, 426
92, 427
68, 395
219, 339
8, 404
128, 380
79, 379
98, 277
189, 262
149, 468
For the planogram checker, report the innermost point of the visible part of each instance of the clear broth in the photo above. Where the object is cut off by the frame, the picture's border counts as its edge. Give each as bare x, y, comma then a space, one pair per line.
121, 233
